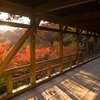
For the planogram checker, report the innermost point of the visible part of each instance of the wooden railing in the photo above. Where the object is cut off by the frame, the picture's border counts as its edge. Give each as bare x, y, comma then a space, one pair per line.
16, 80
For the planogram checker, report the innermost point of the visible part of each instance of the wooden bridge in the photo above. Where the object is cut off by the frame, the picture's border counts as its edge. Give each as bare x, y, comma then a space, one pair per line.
80, 83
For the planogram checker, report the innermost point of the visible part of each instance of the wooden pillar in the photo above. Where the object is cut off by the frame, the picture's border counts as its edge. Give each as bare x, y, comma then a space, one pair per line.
49, 69
61, 48
77, 46
32, 54
32, 58
95, 47
95, 43
9, 83
87, 46
99, 44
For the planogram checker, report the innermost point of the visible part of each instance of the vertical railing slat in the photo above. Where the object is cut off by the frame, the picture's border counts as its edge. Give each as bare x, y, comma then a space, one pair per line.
61, 48
9, 83
49, 69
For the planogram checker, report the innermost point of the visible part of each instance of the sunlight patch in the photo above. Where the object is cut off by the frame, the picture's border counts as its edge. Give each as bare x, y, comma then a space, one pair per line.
14, 18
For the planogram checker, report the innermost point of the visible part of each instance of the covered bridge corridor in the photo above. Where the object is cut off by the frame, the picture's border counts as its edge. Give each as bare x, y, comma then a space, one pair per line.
81, 83
72, 77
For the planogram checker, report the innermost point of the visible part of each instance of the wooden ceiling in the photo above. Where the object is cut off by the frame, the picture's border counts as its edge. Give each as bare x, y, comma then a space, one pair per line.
29, 3
84, 14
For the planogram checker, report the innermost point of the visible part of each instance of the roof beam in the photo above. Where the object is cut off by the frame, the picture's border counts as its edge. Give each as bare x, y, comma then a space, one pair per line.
48, 29
14, 24
50, 18
89, 35
13, 8
51, 5
59, 4
85, 26
27, 26
82, 16
16, 9
87, 23
95, 28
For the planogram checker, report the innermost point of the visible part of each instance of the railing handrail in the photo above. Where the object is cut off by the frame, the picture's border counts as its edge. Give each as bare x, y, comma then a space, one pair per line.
27, 65
50, 66
45, 61
69, 55
16, 68
49, 60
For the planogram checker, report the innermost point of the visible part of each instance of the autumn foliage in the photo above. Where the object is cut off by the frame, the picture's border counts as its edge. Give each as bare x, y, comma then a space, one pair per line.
47, 47
4, 49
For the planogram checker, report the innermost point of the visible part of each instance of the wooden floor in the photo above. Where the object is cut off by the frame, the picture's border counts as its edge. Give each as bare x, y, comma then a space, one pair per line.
82, 83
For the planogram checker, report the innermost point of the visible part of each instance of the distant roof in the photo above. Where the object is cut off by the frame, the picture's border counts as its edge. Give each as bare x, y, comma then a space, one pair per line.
84, 14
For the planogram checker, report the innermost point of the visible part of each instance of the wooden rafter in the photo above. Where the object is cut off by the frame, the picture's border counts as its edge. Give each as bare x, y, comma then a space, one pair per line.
49, 6
82, 16
81, 26
14, 24
13, 8
27, 26
89, 28
87, 23
49, 17
52, 5
59, 4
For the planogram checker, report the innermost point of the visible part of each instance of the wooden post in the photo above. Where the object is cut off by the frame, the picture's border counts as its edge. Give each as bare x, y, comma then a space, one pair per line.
32, 59
99, 44
49, 69
70, 62
87, 47
61, 48
77, 46
95, 48
9, 83
32, 54
94, 43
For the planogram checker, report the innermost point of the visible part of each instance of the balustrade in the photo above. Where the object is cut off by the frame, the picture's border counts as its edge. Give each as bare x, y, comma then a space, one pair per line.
18, 79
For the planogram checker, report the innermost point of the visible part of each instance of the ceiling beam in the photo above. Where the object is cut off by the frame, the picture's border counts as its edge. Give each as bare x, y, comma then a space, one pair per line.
14, 24
81, 25
27, 26
53, 5
93, 22
95, 28
48, 29
50, 18
16, 9
86, 23
13, 8
82, 16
